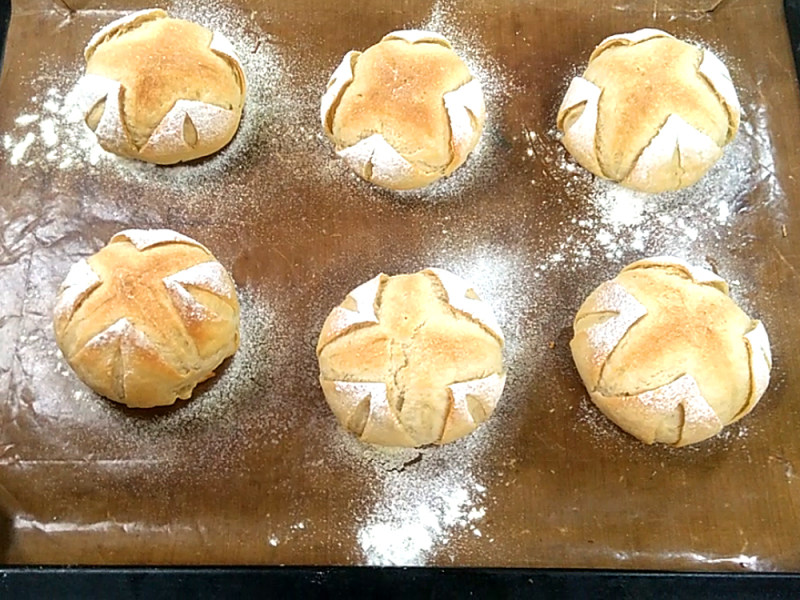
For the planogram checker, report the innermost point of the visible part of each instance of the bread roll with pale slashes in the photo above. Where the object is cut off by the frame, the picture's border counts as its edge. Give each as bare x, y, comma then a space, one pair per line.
667, 355
162, 90
147, 318
651, 112
412, 360
405, 112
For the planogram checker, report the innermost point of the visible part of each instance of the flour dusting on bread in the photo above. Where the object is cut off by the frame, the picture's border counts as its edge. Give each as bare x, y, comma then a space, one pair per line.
147, 238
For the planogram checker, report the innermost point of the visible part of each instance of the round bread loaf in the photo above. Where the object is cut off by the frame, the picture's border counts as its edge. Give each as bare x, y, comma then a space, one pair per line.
147, 318
651, 112
162, 90
667, 355
405, 112
412, 360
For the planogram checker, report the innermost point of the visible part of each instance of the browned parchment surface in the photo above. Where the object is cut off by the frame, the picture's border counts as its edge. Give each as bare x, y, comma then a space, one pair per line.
228, 477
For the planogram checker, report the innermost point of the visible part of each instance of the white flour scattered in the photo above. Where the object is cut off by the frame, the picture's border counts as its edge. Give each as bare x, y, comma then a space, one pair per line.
620, 223
19, 149
56, 134
431, 498
24, 120
427, 498
429, 502
418, 515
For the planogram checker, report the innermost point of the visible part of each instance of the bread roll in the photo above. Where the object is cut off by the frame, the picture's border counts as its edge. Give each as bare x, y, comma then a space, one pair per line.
405, 112
667, 355
162, 90
651, 112
412, 360
147, 318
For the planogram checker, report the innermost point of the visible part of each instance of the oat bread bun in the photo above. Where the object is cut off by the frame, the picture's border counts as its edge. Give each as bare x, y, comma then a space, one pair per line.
667, 355
147, 318
651, 112
411, 360
162, 90
405, 112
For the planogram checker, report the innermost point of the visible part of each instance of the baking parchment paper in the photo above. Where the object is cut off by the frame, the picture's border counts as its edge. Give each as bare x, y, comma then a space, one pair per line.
254, 469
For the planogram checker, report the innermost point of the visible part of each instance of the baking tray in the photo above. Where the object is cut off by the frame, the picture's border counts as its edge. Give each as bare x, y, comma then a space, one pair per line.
757, 458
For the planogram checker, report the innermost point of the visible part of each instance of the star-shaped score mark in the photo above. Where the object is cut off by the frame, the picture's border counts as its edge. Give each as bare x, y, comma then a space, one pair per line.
164, 312
670, 354
650, 111
425, 368
164, 81
405, 112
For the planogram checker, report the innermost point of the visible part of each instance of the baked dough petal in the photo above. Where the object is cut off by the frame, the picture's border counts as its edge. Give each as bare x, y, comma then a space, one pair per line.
188, 308
341, 78
141, 16
642, 414
696, 274
110, 128
342, 319
628, 39
580, 138
81, 281
458, 296
417, 36
204, 324
760, 356
374, 159
209, 276
143, 239
132, 365
600, 338
466, 111
460, 420
382, 425
222, 45
719, 78
210, 122
677, 156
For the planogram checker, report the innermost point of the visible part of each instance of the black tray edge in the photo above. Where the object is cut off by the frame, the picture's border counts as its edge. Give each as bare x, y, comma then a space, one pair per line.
123, 583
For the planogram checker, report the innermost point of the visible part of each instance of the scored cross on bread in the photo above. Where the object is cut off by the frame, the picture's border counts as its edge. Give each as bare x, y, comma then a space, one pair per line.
650, 111
162, 90
667, 355
405, 112
147, 318
411, 360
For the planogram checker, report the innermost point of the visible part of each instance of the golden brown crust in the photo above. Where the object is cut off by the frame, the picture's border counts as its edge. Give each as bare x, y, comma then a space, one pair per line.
150, 321
160, 61
413, 352
664, 352
650, 111
398, 89
642, 85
